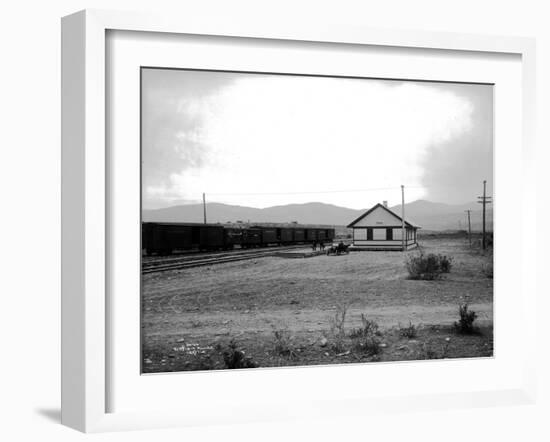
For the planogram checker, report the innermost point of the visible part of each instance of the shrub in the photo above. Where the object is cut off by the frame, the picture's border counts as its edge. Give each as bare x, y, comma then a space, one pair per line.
368, 345
429, 352
368, 328
428, 267
283, 344
408, 332
465, 324
337, 322
365, 339
235, 358
446, 263
203, 362
337, 328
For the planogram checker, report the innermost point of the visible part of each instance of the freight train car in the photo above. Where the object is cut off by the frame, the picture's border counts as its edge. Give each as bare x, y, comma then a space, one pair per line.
321, 235
233, 237
165, 238
311, 235
299, 235
269, 235
252, 237
285, 235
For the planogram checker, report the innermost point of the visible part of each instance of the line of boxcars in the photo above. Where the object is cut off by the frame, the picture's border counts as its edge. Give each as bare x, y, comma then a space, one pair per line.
166, 238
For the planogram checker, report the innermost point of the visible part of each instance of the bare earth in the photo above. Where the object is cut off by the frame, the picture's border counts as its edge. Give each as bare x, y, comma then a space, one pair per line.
189, 315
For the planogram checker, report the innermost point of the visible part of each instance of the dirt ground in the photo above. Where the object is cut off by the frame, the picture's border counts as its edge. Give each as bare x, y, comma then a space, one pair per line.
190, 316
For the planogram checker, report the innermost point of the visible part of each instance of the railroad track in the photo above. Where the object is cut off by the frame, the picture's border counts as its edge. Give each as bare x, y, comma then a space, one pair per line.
194, 255
189, 261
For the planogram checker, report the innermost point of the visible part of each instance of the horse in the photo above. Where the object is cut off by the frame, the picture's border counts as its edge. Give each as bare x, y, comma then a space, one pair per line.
341, 248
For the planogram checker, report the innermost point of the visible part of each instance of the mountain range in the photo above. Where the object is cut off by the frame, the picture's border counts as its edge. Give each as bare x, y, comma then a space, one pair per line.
426, 214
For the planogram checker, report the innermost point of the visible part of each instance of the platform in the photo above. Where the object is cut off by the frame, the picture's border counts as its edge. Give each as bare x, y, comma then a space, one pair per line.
381, 248
301, 253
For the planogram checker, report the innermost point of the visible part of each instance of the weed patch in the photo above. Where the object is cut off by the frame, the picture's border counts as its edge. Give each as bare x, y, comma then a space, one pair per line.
365, 339
284, 345
235, 358
428, 266
465, 324
410, 331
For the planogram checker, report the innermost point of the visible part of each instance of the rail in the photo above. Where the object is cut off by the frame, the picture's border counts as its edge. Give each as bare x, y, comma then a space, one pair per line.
189, 261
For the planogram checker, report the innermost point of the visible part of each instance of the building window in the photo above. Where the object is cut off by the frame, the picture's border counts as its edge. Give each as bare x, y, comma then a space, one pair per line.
369, 233
389, 234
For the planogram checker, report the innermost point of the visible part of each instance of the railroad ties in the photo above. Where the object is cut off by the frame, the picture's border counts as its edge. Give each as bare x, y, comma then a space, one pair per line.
203, 259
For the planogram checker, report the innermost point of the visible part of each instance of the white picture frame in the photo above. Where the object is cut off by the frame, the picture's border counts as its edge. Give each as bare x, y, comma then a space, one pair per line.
85, 202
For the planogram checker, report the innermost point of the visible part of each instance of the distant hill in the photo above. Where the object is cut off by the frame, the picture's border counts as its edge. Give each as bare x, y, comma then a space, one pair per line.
440, 216
429, 215
309, 213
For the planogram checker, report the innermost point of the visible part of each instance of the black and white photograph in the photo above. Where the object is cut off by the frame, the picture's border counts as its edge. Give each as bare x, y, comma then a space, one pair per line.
300, 220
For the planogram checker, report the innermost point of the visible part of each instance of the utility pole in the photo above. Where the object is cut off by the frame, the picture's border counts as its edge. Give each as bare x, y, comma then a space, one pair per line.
484, 200
403, 217
469, 227
204, 206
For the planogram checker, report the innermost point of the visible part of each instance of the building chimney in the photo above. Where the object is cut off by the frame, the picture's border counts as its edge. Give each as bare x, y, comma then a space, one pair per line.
385, 203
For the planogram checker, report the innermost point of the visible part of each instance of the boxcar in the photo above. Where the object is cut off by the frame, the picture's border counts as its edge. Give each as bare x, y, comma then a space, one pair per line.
211, 237
321, 235
299, 235
311, 235
284, 235
233, 237
252, 238
165, 238
146, 236
269, 235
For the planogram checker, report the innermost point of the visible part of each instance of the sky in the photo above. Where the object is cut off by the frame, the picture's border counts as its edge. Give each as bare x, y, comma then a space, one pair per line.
262, 140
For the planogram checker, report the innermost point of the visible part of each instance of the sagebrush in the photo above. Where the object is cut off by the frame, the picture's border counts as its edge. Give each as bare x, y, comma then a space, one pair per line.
428, 266
337, 328
365, 339
409, 331
284, 344
465, 324
235, 358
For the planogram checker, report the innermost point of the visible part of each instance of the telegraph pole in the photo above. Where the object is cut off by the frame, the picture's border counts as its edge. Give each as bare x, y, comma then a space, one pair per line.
484, 200
403, 217
204, 206
469, 228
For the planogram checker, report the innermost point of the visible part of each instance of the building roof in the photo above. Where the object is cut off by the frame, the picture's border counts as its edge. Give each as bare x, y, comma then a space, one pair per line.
372, 209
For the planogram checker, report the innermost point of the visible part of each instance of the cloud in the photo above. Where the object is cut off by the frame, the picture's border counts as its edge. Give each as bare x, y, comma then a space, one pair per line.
236, 134
171, 123
454, 169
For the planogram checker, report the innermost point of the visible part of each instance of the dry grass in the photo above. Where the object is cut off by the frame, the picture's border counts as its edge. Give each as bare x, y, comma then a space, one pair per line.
241, 300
